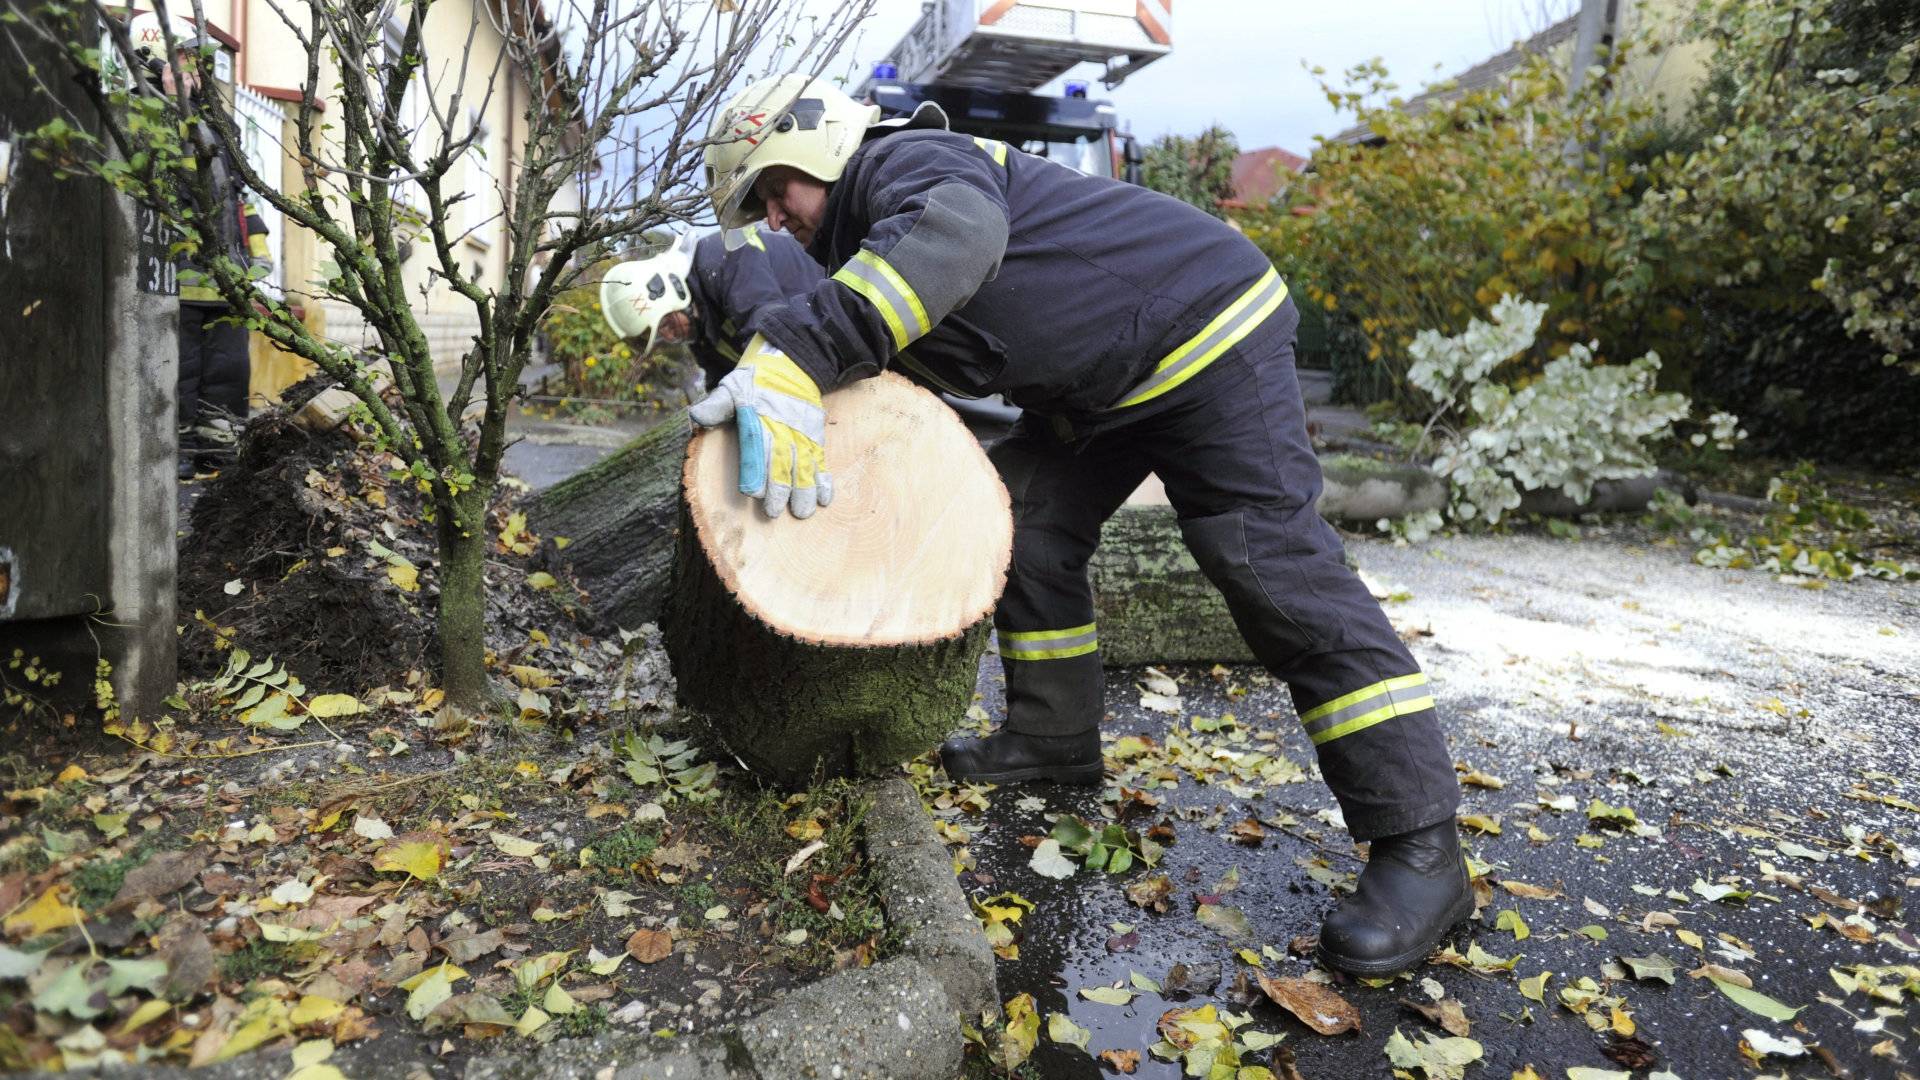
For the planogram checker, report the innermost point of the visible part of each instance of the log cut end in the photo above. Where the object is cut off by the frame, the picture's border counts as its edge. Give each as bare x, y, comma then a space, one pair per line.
913, 550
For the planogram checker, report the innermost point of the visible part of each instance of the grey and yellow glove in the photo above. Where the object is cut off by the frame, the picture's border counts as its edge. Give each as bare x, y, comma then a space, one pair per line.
783, 429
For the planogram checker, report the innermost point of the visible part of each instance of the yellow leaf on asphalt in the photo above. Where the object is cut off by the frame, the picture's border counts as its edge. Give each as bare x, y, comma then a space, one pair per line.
454, 973
146, 1014
532, 1020
540, 579
420, 859
558, 1001
314, 1009
327, 706
430, 988
47, 914
70, 774
514, 845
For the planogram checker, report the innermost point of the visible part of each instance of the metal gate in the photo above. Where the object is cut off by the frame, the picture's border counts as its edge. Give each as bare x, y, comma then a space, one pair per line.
261, 122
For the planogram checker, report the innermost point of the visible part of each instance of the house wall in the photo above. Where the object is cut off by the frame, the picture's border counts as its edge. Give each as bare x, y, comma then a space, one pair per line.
272, 60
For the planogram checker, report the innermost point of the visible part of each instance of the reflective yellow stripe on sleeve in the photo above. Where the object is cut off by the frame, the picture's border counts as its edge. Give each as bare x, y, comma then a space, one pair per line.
994, 148
1366, 707
869, 275
1247, 311
1048, 644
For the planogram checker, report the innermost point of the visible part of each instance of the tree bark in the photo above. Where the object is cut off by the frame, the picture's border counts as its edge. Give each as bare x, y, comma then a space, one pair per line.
462, 614
848, 642
619, 518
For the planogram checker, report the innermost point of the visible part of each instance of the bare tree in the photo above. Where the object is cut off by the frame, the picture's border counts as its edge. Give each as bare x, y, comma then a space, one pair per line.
617, 102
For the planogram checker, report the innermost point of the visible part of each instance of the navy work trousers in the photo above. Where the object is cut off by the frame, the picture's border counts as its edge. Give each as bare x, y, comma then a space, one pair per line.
1240, 472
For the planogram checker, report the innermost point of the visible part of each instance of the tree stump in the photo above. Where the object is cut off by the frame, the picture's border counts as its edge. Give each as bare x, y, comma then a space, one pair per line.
619, 518
848, 642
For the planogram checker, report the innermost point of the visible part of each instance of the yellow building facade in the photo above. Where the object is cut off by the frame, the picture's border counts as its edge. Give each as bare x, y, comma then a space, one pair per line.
264, 64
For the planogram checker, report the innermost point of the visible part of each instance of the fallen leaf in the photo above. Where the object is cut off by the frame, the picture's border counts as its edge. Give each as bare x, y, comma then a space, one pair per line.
518, 847
1650, 967
419, 858
1047, 861
1535, 989
1121, 1061
372, 828
1437, 1058
650, 946
328, 706
1152, 892
1107, 995
1756, 1002
1248, 832
1511, 921
1723, 974
1229, 922
1062, 1029
1764, 1044
48, 913
1315, 1005
1530, 892
1447, 1014
292, 892
430, 988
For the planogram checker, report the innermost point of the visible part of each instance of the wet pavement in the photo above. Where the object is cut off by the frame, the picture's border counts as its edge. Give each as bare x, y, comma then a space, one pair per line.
1762, 733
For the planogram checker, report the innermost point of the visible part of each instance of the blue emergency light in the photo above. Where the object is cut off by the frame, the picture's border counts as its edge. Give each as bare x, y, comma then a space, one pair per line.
1076, 90
886, 69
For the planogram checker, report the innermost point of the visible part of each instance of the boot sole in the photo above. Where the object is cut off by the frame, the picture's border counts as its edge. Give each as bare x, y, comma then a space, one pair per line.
1076, 775
1405, 961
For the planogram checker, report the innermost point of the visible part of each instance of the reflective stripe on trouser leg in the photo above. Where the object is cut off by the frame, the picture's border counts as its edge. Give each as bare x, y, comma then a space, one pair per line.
1241, 472
1049, 646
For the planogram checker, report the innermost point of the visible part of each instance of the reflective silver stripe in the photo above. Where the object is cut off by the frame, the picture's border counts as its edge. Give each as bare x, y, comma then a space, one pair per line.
1050, 648
1385, 697
1206, 349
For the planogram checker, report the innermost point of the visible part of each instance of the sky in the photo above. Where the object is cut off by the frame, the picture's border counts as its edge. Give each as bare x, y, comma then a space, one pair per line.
1239, 62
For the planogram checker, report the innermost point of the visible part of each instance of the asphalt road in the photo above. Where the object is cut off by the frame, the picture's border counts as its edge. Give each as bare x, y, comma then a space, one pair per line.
1733, 713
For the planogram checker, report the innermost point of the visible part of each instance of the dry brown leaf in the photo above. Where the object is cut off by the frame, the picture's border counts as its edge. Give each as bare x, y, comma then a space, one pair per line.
1315, 1005
1248, 832
1447, 1014
1723, 974
165, 873
650, 946
1121, 1061
1530, 892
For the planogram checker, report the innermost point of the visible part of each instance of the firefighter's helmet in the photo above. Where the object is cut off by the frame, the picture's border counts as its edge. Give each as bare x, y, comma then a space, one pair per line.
807, 124
635, 296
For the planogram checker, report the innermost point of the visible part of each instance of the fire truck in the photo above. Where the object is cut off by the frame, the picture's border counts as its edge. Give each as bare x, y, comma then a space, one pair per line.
983, 61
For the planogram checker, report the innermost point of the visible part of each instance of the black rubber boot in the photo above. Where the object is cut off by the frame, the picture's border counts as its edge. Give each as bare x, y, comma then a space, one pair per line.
1413, 890
1006, 757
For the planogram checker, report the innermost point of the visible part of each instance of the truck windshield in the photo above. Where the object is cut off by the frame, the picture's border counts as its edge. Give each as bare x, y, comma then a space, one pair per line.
1089, 156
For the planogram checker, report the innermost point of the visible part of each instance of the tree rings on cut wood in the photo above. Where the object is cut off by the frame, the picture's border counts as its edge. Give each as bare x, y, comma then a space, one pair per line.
847, 642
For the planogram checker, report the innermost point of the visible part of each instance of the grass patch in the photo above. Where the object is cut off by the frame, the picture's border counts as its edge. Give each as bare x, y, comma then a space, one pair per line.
99, 881
619, 851
258, 959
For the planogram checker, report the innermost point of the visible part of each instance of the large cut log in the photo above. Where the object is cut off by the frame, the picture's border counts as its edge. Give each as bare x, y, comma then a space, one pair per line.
848, 642
618, 518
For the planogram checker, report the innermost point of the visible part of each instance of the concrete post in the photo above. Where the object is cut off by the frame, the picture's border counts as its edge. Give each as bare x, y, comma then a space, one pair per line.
88, 357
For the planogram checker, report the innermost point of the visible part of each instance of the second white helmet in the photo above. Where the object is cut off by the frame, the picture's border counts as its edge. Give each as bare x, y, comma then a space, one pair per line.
636, 295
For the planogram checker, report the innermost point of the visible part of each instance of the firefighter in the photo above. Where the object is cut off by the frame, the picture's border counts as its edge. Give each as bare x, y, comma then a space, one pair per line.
215, 367
701, 292
1141, 336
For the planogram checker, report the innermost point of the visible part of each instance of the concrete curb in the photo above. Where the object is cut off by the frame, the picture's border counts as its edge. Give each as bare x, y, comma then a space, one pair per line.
897, 1020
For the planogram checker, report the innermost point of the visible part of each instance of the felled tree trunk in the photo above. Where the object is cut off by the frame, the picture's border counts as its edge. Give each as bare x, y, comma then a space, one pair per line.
848, 642
1154, 606
618, 519
1150, 600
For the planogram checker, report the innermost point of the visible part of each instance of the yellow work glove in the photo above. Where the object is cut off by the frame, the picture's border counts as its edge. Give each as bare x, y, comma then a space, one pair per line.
782, 430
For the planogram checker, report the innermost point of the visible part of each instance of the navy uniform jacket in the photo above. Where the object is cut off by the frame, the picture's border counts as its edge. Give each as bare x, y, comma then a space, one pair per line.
766, 267
980, 270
